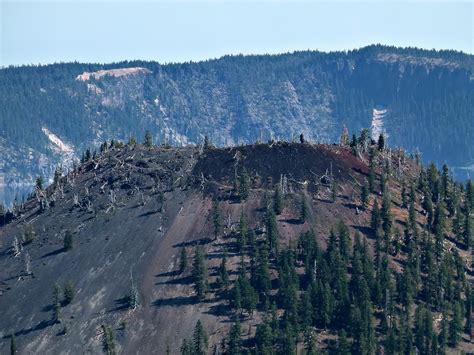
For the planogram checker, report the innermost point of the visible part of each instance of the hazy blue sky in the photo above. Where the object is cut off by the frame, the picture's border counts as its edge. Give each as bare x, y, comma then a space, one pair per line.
166, 31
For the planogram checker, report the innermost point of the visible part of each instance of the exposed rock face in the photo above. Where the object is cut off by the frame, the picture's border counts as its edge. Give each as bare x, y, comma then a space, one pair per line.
112, 72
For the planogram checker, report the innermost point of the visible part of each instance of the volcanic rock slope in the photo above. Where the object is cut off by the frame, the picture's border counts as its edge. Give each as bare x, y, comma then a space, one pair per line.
132, 210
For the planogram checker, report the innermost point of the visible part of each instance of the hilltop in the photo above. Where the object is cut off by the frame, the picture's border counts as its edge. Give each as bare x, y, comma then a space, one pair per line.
289, 225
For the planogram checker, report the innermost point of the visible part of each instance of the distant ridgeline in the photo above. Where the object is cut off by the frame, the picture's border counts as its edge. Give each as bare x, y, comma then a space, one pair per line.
421, 99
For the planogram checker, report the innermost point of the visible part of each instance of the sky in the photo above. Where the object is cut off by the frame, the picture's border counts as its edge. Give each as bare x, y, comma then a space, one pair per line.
42, 32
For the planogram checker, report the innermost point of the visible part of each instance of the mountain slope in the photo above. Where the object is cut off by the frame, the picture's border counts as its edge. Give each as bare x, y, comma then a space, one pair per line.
426, 97
132, 210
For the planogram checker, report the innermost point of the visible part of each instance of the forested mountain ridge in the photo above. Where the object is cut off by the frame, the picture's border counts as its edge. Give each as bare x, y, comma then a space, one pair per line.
269, 248
421, 99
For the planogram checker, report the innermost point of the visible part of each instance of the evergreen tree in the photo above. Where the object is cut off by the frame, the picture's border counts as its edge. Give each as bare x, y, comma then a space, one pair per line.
469, 195
57, 313
223, 274
57, 176
353, 141
12, 345
391, 342
452, 198
375, 220
207, 142
199, 274
406, 288
356, 330
56, 304
467, 230
200, 341
68, 240
384, 283
344, 138
455, 325
364, 139
432, 175
438, 229
383, 183
445, 181
186, 347
353, 145
148, 141
412, 193
381, 142
439, 219
458, 224
386, 215
343, 345
88, 155
305, 310
428, 206
278, 203
39, 183
216, 219
132, 142
309, 341
468, 307
252, 242
361, 321
396, 241
412, 216
272, 231
263, 280
343, 241
364, 195
68, 293
243, 232
334, 190
304, 210
183, 260
234, 342
406, 334
236, 297
288, 339
371, 177
244, 185
423, 330
108, 342
326, 308
248, 295
444, 331
404, 195
264, 339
